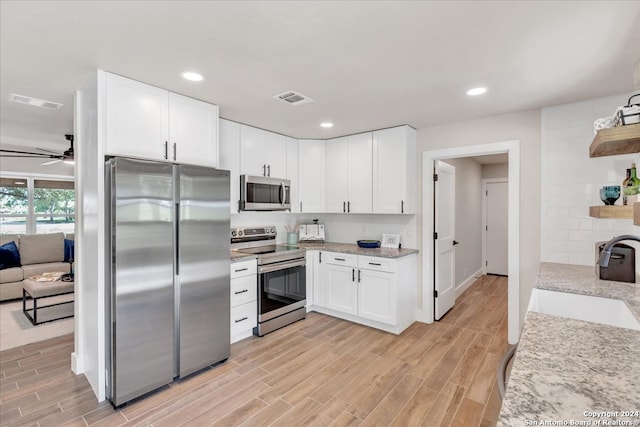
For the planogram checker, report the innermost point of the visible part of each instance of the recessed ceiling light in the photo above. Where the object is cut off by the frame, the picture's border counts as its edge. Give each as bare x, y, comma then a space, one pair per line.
192, 76
326, 124
476, 91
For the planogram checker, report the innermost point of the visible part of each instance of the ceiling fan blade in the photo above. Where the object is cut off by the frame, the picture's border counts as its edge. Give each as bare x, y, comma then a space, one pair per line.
29, 156
47, 151
27, 152
50, 162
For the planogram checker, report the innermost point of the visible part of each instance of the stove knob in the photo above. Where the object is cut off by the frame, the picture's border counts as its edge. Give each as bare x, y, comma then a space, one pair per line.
240, 233
233, 233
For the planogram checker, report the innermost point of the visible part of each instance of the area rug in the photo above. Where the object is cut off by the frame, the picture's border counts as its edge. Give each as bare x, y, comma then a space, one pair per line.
16, 330
45, 314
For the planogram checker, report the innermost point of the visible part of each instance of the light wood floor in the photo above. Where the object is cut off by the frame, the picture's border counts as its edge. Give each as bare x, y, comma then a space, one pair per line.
317, 372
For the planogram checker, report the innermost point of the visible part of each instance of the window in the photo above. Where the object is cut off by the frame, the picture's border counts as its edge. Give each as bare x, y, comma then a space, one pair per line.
36, 206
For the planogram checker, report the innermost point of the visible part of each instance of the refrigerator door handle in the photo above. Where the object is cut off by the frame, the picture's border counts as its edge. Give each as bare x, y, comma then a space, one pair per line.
177, 238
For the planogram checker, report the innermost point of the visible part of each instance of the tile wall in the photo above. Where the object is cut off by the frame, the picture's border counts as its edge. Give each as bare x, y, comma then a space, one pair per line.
571, 181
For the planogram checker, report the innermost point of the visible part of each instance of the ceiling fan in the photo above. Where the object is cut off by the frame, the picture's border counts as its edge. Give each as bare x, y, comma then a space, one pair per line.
67, 156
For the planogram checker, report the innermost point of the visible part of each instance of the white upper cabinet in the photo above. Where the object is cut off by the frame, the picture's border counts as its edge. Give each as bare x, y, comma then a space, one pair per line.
137, 119
152, 123
292, 174
349, 169
262, 153
193, 131
394, 170
230, 158
311, 175
337, 162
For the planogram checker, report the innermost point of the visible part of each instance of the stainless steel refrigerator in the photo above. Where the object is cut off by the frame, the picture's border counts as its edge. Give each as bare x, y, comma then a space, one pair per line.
167, 273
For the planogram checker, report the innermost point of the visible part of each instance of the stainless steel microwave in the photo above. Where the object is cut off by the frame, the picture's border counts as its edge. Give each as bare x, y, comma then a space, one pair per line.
262, 193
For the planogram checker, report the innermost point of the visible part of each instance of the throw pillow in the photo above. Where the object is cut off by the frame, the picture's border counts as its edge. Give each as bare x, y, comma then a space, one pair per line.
9, 255
69, 249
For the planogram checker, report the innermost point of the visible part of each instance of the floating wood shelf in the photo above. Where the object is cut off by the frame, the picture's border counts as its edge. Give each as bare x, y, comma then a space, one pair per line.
617, 140
611, 212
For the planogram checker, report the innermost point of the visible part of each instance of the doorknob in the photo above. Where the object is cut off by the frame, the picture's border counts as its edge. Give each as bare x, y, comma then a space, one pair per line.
455, 242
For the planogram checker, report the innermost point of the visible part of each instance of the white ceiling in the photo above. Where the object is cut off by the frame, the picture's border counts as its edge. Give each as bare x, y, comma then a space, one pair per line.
368, 65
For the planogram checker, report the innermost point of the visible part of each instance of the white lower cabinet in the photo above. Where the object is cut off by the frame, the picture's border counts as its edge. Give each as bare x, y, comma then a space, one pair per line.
244, 305
374, 291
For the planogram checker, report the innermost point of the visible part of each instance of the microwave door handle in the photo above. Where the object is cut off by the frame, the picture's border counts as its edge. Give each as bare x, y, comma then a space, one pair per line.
283, 194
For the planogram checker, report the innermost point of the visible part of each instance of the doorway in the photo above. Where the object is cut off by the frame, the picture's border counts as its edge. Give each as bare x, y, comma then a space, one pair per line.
512, 149
495, 232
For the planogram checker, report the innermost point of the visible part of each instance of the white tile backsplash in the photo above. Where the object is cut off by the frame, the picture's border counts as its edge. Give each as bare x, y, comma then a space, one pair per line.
571, 182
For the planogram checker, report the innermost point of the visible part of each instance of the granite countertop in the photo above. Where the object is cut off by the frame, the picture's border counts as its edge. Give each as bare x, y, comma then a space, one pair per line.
570, 370
347, 248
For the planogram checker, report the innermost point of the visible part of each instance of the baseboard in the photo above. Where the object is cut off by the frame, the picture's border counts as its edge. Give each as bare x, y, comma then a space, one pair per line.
468, 282
76, 364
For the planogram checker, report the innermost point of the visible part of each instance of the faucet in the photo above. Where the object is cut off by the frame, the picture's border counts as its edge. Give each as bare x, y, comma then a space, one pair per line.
603, 261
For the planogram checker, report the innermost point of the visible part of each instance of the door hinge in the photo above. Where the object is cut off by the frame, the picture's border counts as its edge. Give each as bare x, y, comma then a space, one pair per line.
486, 228
435, 294
435, 236
486, 192
435, 176
486, 263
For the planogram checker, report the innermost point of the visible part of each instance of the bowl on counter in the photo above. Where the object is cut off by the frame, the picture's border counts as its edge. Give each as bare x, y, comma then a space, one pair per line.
369, 244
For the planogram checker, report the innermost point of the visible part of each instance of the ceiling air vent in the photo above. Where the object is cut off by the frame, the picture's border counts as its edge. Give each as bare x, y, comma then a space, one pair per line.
292, 97
28, 100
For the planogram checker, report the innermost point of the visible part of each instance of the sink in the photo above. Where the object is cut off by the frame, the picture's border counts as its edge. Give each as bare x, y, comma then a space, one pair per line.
583, 307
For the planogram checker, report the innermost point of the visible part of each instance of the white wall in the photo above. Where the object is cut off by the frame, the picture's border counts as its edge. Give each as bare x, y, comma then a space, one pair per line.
524, 127
468, 218
497, 170
571, 182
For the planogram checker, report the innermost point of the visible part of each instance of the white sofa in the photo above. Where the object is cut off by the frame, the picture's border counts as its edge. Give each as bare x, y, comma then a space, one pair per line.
39, 253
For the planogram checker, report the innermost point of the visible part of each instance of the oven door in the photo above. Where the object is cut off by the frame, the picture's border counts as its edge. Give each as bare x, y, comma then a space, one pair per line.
283, 288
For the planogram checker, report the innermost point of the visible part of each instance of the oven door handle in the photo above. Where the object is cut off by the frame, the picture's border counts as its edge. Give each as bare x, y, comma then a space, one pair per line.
280, 266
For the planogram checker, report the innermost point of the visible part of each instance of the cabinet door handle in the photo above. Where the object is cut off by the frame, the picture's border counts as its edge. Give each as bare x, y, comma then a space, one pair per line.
339, 259
344, 207
242, 269
174, 151
300, 206
353, 274
375, 263
264, 170
166, 150
241, 292
241, 320
401, 206
348, 207
358, 276
268, 170
320, 258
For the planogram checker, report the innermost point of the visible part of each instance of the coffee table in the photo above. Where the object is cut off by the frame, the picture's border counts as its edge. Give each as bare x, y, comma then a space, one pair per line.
40, 290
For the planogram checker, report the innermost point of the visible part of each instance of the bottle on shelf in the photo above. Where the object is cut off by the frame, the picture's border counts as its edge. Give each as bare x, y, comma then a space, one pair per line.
626, 183
632, 187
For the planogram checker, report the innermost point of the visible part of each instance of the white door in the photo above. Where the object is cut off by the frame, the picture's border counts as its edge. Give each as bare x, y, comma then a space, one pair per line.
496, 238
444, 227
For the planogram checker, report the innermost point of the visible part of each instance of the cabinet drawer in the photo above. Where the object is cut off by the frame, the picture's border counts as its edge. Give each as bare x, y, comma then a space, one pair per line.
377, 263
336, 258
244, 317
244, 268
243, 290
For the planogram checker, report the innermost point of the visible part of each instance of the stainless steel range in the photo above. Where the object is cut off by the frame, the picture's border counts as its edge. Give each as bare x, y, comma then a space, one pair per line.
282, 291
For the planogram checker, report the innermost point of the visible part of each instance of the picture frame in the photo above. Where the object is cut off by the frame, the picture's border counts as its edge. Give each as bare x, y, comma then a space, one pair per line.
390, 241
